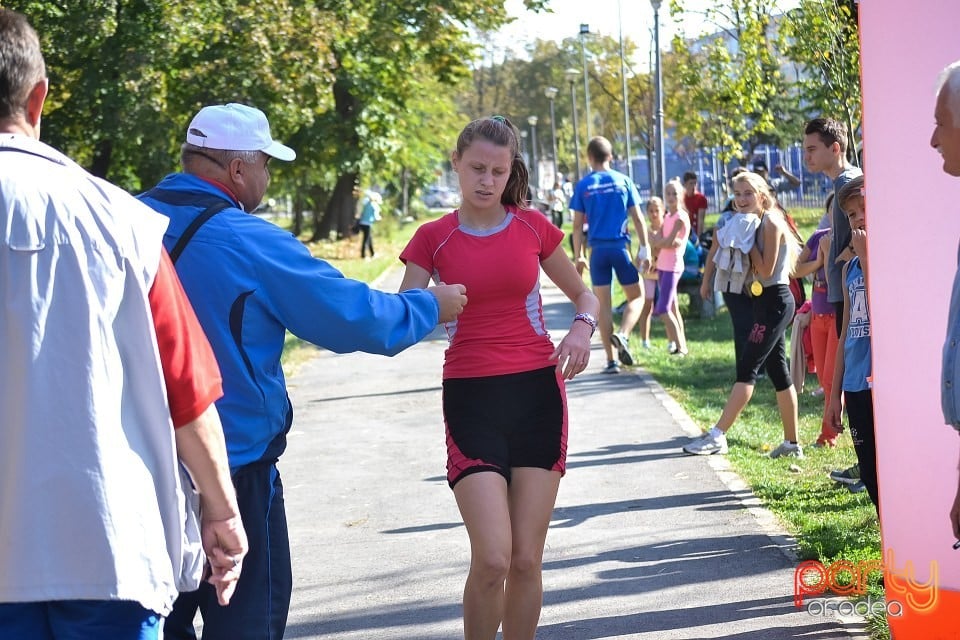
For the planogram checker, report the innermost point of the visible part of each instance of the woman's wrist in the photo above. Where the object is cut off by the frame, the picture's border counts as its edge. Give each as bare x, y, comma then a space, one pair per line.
587, 319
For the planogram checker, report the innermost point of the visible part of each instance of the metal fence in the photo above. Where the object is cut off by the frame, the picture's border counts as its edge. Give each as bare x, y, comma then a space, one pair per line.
713, 175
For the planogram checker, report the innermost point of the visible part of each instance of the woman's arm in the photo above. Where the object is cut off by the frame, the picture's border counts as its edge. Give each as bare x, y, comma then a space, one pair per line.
414, 277
764, 263
805, 266
706, 284
835, 406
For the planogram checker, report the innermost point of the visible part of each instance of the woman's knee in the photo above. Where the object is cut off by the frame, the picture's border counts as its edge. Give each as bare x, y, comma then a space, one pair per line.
491, 567
781, 379
526, 561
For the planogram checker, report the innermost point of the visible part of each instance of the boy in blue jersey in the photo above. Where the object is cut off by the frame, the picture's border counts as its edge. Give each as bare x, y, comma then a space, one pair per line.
605, 199
853, 370
249, 282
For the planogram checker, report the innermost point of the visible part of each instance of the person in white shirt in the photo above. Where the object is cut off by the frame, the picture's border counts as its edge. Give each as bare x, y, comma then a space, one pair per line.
105, 381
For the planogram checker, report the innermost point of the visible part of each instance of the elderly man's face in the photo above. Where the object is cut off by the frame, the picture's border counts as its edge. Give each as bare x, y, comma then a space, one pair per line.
946, 134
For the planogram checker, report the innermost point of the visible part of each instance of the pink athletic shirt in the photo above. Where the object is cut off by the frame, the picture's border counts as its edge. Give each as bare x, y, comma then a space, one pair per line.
501, 330
672, 259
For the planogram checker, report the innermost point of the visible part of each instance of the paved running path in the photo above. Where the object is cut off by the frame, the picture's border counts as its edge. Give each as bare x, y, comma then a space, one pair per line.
645, 542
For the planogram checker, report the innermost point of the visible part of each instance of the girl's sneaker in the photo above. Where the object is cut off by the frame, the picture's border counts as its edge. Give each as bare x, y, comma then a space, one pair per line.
707, 445
787, 449
612, 367
622, 344
672, 347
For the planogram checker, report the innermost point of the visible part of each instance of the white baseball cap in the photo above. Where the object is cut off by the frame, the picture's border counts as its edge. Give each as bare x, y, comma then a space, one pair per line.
235, 127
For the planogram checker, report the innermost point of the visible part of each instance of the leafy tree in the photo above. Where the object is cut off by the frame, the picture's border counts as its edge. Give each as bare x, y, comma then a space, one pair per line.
357, 87
734, 94
127, 75
381, 56
516, 87
104, 81
824, 41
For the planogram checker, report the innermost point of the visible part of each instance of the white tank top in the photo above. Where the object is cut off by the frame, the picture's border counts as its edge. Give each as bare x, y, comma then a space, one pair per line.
781, 274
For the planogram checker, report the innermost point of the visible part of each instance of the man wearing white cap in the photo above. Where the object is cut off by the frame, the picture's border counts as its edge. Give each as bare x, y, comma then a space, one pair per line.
250, 282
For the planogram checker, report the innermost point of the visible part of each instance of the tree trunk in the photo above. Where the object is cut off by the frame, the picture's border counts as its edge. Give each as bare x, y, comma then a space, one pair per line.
318, 202
405, 197
338, 214
297, 227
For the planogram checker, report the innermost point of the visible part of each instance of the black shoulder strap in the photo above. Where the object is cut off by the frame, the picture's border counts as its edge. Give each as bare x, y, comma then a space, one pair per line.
213, 205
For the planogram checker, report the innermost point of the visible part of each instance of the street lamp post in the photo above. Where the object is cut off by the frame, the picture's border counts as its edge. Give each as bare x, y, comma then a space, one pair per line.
571, 79
799, 158
661, 161
626, 104
585, 31
532, 121
523, 146
551, 93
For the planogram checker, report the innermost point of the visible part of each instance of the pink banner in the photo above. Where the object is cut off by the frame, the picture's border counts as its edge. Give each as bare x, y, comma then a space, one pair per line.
913, 222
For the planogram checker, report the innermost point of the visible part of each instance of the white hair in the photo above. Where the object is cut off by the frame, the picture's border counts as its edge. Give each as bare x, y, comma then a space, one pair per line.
949, 81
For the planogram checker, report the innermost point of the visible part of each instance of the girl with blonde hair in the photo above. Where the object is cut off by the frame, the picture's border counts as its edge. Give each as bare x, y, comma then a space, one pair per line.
773, 258
671, 242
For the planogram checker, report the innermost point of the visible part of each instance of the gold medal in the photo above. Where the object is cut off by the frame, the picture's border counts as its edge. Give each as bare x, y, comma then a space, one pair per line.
756, 288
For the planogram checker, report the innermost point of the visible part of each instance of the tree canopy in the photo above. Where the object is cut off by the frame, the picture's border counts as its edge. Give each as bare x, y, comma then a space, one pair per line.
374, 93
360, 88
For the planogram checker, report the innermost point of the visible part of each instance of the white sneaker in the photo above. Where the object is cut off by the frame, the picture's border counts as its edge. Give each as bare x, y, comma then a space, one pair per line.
707, 445
621, 343
788, 450
671, 347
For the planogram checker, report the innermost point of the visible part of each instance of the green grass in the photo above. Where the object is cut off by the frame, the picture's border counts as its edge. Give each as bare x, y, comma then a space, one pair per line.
828, 522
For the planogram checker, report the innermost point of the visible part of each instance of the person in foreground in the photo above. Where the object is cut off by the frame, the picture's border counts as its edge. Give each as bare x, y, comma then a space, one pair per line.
772, 256
105, 380
946, 140
250, 281
504, 402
